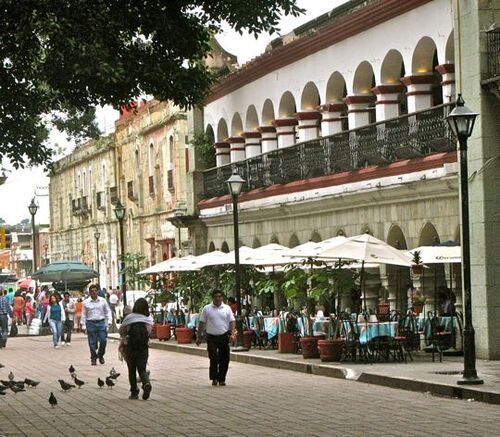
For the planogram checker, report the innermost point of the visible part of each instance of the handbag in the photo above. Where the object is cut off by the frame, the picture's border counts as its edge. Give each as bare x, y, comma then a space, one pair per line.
13, 330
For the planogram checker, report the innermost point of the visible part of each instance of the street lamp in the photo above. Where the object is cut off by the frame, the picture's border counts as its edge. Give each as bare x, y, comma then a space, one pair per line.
235, 184
97, 235
45, 248
461, 121
33, 208
120, 215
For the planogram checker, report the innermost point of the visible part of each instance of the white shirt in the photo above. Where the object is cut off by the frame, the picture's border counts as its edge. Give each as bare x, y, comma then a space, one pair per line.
95, 310
217, 319
113, 299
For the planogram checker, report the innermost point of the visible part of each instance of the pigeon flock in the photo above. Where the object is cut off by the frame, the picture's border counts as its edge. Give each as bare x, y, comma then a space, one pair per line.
21, 385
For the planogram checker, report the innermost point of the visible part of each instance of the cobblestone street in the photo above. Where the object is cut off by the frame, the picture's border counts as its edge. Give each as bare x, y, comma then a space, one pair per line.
258, 401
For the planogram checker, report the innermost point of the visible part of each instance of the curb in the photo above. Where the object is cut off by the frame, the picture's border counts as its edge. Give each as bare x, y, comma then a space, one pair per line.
437, 389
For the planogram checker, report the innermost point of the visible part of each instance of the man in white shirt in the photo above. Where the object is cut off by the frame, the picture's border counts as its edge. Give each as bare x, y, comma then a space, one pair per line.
218, 320
96, 317
113, 301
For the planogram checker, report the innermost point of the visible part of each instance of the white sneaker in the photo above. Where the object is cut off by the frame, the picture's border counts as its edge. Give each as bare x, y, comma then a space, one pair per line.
64, 343
56, 346
68, 344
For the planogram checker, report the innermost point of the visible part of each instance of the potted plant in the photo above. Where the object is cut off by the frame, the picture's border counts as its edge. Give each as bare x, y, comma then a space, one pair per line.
383, 305
287, 333
417, 268
418, 302
330, 349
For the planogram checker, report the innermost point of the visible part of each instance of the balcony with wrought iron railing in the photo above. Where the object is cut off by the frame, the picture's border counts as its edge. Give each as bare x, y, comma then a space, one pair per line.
492, 80
409, 136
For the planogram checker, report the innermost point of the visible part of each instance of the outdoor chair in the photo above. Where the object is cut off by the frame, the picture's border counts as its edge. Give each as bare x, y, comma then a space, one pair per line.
437, 338
353, 348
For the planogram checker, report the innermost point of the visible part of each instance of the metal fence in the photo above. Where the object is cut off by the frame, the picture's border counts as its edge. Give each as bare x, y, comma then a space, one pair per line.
493, 47
409, 136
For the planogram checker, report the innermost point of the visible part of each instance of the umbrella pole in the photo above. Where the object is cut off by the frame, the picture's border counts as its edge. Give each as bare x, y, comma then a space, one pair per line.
362, 283
435, 291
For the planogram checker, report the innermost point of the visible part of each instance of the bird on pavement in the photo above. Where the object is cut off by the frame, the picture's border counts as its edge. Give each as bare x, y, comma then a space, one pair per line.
6, 383
71, 369
16, 389
31, 382
109, 382
100, 382
114, 376
11, 376
66, 386
112, 371
2, 393
78, 382
52, 400
1, 366
3, 387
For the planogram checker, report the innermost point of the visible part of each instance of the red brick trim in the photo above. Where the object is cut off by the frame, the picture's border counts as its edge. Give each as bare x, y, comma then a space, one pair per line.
357, 22
251, 135
331, 119
419, 93
435, 160
270, 129
279, 134
222, 153
237, 149
447, 82
283, 122
354, 111
236, 140
388, 89
252, 144
418, 80
353, 100
332, 107
387, 102
309, 126
222, 145
306, 115
445, 68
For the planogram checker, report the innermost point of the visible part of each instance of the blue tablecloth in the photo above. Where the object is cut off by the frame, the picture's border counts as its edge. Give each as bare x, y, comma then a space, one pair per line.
271, 325
192, 320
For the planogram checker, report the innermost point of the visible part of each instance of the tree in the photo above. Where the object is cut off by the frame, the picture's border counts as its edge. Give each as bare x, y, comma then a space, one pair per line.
2, 221
61, 57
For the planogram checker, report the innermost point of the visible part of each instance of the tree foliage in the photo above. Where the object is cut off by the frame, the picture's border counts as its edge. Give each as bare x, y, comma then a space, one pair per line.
64, 56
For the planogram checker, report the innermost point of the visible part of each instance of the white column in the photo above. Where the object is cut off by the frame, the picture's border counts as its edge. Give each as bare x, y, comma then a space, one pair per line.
448, 83
419, 95
387, 104
237, 148
222, 154
252, 144
308, 125
358, 111
285, 131
331, 122
269, 141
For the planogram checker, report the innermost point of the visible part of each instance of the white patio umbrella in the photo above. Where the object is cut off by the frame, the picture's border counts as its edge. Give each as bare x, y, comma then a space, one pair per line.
183, 264
312, 249
437, 254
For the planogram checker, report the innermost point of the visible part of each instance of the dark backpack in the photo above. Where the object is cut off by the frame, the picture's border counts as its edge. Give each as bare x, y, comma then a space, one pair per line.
137, 338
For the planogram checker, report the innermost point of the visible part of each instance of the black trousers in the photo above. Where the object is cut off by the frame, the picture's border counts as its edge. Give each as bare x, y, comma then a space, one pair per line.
218, 353
136, 364
67, 329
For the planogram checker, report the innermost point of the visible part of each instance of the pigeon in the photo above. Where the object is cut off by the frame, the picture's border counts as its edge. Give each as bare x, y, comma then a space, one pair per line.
11, 376
52, 400
112, 371
66, 386
1, 366
114, 376
6, 383
3, 387
16, 389
78, 382
71, 369
2, 393
109, 382
18, 384
31, 382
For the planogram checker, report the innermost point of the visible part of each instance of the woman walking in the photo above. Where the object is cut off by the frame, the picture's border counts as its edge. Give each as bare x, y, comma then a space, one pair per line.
135, 330
55, 316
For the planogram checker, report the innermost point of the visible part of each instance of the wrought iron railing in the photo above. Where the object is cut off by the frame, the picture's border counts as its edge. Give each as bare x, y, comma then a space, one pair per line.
493, 48
410, 136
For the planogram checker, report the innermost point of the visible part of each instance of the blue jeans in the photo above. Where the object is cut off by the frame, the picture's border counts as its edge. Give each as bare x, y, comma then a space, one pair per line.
56, 328
97, 332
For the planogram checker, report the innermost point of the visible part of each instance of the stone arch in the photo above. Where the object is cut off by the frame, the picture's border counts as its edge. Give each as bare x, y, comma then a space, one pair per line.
450, 49
293, 241
209, 131
336, 88
428, 235
433, 277
423, 56
398, 278
211, 246
236, 125
225, 247
340, 232
392, 68
222, 131
256, 243
316, 237
274, 239
268, 113
365, 229
287, 105
310, 99
251, 119
364, 79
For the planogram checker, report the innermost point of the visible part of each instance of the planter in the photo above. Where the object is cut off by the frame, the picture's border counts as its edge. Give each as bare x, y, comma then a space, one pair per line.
384, 308
417, 269
163, 332
285, 342
184, 335
153, 330
247, 339
309, 346
418, 308
330, 350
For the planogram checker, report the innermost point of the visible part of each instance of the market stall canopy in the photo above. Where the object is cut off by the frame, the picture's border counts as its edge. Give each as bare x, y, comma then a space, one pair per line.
65, 271
438, 254
26, 283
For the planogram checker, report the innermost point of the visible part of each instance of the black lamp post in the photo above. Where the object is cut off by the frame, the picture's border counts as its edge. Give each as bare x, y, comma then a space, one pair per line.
33, 208
235, 184
461, 121
120, 215
97, 235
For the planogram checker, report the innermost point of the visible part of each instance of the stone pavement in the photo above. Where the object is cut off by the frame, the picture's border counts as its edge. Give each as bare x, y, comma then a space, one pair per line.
258, 401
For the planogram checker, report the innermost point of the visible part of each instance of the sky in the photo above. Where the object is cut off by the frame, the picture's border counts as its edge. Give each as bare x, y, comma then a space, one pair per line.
22, 185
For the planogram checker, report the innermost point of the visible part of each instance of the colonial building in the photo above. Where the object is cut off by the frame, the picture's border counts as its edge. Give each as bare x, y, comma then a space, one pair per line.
339, 127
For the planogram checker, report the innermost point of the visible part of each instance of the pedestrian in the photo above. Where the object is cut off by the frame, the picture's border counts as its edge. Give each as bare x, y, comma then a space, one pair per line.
69, 310
135, 330
29, 310
5, 312
17, 308
78, 314
113, 302
96, 317
56, 317
218, 320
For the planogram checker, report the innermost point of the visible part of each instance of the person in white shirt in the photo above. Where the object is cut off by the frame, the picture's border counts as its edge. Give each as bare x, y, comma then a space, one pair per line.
218, 320
96, 317
113, 301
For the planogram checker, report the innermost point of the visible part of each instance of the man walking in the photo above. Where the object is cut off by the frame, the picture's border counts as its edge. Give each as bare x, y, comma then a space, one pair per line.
69, 310
96, 317
5, 312
218, 320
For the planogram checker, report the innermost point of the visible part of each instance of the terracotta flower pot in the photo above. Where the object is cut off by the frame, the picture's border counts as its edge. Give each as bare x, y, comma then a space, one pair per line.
184, 335
247, 339
330, 350
153, 330
417, 269
418, 308
384, 308
163, 332
309, 346
285, 342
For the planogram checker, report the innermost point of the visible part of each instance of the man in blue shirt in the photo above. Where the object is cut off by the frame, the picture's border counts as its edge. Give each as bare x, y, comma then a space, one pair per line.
5, 312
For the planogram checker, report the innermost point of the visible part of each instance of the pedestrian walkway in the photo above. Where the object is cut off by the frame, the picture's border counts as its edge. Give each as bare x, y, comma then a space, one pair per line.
421, 375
